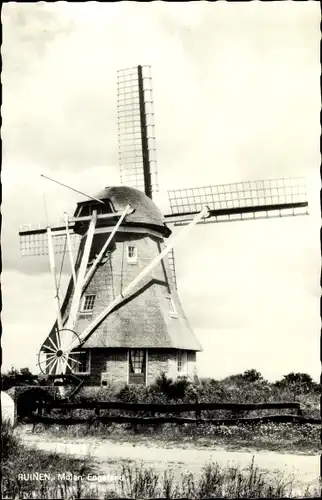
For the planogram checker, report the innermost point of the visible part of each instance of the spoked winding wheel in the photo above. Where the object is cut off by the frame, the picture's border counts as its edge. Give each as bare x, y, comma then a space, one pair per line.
55, 356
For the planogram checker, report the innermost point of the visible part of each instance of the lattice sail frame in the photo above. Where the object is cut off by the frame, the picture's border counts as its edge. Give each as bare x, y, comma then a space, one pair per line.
172, 265
35, 245
136, 129
235, 201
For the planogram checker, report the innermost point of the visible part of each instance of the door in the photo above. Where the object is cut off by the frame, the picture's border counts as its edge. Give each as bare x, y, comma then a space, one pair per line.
137, 366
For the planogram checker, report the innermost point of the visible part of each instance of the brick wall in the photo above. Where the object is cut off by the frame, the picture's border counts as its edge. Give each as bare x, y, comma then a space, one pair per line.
112, 365
173, 371
109, 363
116, 368
158, 362
192, 363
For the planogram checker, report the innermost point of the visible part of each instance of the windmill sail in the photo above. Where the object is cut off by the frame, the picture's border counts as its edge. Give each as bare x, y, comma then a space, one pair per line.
136, 136
172, 265
239, 201
34, 242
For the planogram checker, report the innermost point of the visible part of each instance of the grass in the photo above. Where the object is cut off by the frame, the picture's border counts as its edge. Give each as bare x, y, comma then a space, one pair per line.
274, 437
131, 482
245, 388
17, 459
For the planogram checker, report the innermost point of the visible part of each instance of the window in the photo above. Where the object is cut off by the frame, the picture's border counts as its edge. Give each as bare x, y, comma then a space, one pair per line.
79, 362
88, 303
171, 307
88, 208
182, 362
132, 253
137, 360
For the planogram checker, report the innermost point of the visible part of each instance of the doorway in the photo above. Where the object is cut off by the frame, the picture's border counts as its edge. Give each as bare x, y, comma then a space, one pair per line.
137, 366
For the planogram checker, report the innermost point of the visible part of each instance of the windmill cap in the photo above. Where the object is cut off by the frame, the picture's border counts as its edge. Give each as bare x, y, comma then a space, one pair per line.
145, 213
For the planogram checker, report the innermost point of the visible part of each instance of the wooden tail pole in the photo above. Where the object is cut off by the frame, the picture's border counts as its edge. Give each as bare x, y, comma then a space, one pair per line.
90, 273
72, 189
53, 272
204, 213
69, 246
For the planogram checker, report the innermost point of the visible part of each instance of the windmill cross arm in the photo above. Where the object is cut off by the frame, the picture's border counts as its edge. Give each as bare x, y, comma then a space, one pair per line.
186, 216
71, 222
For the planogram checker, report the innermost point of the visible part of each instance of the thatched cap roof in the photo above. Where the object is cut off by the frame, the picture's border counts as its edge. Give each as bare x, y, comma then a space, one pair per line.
146, 212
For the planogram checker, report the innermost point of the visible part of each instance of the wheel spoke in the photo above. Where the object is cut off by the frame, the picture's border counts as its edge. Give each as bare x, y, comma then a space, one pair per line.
46, 360
52, 367
47, 363
71, 369
66, 357
75, 360
51, 361
49, 348
55, 346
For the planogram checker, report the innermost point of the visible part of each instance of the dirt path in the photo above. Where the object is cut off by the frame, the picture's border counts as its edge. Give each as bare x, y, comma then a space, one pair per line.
108, 457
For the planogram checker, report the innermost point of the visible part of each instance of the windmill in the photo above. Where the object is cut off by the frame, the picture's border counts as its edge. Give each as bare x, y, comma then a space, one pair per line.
121, 319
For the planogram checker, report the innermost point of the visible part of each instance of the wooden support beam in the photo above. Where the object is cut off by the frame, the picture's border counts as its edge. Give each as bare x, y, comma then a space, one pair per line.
81, 273
98, 259
69, 247
53, 272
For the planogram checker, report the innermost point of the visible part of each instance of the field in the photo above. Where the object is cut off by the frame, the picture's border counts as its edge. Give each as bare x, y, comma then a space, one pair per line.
172, 461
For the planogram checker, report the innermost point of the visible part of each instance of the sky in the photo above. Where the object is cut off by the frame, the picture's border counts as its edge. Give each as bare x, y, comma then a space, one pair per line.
236, 97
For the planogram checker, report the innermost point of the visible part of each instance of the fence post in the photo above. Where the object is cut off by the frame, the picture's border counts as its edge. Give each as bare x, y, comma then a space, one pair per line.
198, 414
97, 415
299, 411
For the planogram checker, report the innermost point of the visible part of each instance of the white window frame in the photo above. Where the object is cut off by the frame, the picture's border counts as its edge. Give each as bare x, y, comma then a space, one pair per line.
183, 357
88, 311
171, 307
87, 372
132, 259
146, 366
141, 351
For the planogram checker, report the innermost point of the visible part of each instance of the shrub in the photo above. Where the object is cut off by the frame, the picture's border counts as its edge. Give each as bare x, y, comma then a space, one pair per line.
9, 442
299, 383
172, 390
15, 377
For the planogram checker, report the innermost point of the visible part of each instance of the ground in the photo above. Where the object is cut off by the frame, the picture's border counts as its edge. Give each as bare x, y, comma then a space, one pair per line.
108, 456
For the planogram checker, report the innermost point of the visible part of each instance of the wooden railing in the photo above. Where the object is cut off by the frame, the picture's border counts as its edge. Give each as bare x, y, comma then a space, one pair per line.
151, 413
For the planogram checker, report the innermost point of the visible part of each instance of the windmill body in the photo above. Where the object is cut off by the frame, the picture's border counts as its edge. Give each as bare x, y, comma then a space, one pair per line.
147, 333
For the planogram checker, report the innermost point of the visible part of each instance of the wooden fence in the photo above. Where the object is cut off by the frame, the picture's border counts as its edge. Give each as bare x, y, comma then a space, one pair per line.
150, 413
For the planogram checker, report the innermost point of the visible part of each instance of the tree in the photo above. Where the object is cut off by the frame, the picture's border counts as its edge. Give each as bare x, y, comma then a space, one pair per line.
252, 376
301, 382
